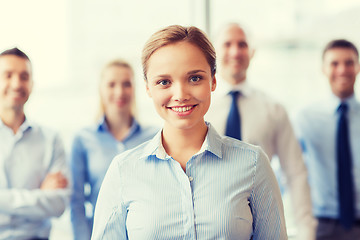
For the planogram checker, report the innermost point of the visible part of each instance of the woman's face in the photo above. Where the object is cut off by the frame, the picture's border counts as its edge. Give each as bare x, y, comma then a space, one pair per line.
116, 89
180, 83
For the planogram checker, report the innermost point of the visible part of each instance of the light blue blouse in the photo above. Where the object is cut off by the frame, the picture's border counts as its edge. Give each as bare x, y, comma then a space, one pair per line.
227, 192
93, 148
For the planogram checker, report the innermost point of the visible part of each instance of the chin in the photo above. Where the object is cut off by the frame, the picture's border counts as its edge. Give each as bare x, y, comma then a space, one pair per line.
189, 124
122, 109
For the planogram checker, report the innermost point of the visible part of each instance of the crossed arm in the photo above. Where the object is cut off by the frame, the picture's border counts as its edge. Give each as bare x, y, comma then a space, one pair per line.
49, 200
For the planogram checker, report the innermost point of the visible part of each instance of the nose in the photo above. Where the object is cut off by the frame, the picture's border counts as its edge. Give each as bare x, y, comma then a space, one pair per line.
181, 92
235, 50
119, 90
16, 82
342, 68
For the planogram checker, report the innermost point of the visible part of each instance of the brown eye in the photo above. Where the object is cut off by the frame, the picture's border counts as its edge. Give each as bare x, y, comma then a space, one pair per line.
349, 63
127, 84
227, 44
24, 76
243, 44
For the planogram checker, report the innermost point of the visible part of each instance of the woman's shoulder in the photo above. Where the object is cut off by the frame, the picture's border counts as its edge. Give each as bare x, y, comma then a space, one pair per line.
232, 148
235, 145
217, 141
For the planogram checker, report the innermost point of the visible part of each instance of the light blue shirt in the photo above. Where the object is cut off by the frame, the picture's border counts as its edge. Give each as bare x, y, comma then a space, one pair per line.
227, 192
92, 150
316, 127
25, 159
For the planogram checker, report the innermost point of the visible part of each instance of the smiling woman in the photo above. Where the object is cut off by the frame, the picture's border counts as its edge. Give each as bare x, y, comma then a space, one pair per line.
188, 182
181, 89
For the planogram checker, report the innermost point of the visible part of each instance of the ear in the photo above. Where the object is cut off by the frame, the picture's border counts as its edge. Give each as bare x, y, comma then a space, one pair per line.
252, 53
357, 67
213, 84
323, 68
32, 85
147, 89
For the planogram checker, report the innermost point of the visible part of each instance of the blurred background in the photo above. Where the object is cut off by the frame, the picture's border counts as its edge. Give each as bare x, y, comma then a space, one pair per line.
69, 42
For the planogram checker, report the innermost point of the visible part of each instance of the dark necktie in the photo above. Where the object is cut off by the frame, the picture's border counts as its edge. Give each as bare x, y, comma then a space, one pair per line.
345, 178
233, 123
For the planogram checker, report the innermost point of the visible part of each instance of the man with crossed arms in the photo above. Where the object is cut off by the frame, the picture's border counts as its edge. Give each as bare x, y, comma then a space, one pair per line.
33, 182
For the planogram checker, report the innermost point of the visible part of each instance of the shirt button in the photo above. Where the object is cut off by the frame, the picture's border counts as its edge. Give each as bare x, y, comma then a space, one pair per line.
191, 178
120, 147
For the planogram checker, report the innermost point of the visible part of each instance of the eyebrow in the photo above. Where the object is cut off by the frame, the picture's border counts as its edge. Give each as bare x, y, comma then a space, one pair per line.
196, 71
188, 73
12, 70
163, 76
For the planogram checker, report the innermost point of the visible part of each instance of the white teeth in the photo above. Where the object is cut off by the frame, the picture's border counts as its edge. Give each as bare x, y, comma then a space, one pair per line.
182, 109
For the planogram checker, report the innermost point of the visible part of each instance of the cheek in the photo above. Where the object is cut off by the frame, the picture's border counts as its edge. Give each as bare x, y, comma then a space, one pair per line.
2, 85
129, 92
245, 57
352, 72
159, 97
329, 73
225, 58
29, 88
203, 94
106, 94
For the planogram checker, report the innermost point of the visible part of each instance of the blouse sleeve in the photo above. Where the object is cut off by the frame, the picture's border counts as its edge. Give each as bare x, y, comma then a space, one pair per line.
110, 212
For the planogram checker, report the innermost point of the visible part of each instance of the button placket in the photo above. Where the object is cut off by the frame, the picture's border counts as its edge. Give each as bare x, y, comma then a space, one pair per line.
186, 198
189, 173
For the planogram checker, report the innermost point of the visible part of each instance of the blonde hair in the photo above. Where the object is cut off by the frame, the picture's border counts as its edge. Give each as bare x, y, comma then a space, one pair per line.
176, 33
117, 63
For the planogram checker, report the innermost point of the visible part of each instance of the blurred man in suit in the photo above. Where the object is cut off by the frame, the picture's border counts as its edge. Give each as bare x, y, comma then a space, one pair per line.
243, 112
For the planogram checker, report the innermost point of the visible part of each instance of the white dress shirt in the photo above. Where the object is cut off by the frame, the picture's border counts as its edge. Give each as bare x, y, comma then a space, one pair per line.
265, 123
25, 159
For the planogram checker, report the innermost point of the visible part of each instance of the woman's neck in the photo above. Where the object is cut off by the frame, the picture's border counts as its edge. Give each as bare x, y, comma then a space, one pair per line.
182, 144
119, 124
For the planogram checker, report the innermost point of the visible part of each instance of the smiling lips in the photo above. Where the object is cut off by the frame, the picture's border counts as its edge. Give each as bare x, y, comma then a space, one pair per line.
17, 94
182, 109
